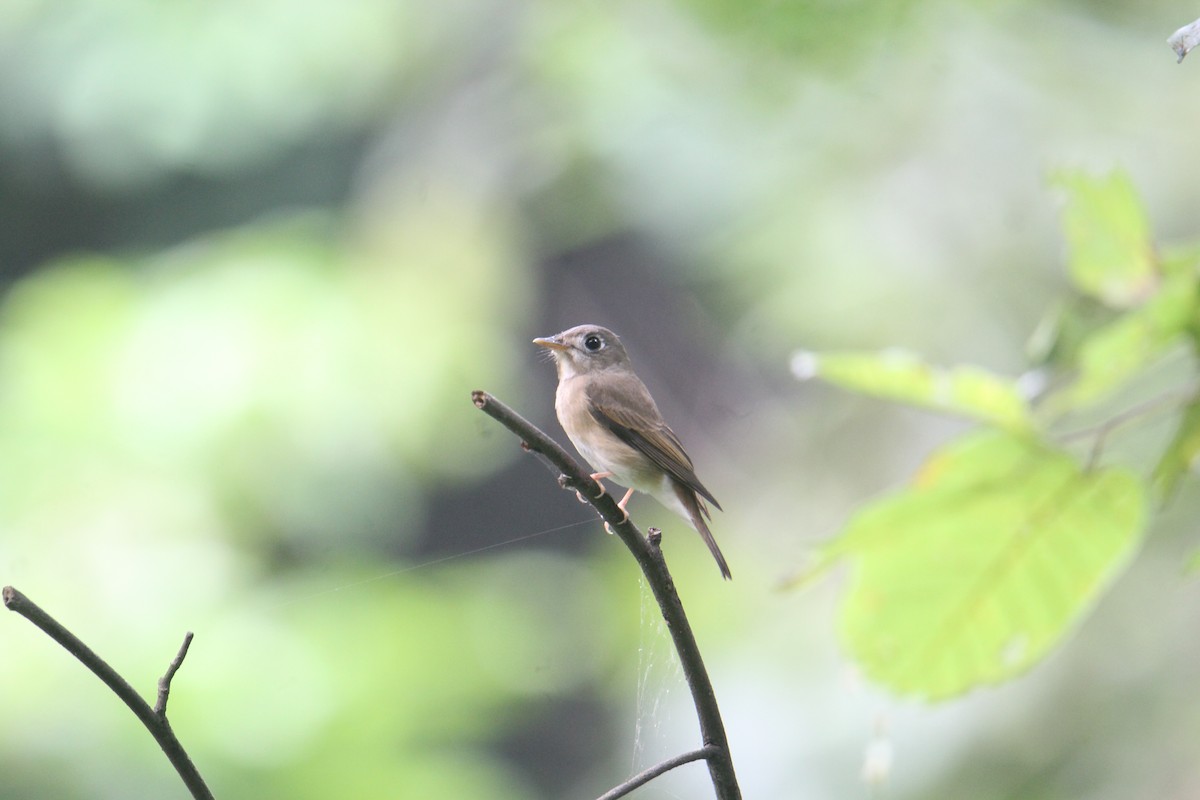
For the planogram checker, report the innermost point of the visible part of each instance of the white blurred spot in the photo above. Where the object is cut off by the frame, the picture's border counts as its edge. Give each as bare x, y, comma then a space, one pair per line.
1032, 383
877, 760
1183, 40
805, 364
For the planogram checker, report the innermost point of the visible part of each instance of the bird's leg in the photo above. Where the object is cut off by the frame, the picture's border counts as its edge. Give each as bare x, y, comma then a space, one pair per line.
596, 476
621, 505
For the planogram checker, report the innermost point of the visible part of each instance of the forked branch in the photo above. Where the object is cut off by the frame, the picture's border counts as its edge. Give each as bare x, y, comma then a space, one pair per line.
649, 557
155, 719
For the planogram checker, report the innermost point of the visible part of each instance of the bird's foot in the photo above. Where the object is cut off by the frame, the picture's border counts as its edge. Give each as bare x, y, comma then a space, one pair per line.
624, 519
596, 476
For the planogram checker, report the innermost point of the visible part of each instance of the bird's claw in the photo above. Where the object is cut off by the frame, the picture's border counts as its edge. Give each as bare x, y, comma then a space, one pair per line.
579, 494
624, 519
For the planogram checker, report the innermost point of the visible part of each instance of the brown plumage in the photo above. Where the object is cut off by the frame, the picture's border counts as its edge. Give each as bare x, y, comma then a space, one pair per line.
615, 424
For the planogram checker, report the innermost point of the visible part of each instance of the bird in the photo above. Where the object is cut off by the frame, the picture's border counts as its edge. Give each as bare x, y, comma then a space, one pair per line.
614, 423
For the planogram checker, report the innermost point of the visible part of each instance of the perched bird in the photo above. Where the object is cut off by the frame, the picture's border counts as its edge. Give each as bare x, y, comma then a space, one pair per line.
615, 425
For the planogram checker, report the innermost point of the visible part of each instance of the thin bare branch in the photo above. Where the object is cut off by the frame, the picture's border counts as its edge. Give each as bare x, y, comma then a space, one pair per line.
572, 476
155, 721
648, 775
1165, 400
164, 683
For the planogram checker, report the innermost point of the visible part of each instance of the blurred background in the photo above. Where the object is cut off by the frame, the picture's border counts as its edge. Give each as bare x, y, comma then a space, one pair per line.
254, 257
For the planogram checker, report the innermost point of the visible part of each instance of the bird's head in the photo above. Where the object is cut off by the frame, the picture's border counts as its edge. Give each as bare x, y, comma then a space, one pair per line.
585, 349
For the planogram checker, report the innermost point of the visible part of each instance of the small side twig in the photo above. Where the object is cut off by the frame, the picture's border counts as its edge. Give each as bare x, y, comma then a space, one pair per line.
154, 719
1103, 430
649, 557
662, 767
164, 683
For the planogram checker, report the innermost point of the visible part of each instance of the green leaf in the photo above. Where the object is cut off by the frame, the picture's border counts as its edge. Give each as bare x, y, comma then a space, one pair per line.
1111, 254
1064, 327
978, 569
898, 375
1181, 453
1118, 351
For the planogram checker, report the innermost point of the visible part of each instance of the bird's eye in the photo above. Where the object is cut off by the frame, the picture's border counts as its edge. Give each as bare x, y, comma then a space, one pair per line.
593, 342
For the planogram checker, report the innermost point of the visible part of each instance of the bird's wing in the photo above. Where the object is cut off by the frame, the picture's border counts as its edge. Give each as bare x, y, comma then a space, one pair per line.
634, 419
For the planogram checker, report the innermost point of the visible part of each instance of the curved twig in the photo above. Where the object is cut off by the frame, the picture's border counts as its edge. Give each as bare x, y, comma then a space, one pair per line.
644, 777
654, 567
154, 719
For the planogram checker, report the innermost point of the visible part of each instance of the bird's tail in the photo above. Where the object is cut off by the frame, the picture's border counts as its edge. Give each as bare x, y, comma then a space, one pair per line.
696, 512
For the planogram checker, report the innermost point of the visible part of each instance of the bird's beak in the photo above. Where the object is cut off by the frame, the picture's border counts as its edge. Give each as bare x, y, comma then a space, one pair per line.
551, 343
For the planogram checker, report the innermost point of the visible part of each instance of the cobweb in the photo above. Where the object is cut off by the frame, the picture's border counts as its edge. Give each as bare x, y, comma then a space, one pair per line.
659, 684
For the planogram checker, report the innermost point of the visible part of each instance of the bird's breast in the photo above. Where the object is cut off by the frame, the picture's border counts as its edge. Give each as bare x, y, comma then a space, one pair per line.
596, 443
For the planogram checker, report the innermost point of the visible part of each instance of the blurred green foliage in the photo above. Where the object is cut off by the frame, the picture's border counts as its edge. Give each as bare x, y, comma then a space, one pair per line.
977, 572
1111, 251
1003, 541
902, 376
256, 255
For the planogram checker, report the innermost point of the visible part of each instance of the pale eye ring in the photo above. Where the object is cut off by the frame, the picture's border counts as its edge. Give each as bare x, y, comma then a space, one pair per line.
593, 342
